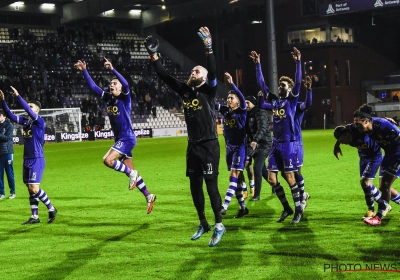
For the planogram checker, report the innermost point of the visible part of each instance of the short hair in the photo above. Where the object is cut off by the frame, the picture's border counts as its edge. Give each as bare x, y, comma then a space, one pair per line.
2, 112
36, 102
286, 79
232, 92
363, 112
339, 131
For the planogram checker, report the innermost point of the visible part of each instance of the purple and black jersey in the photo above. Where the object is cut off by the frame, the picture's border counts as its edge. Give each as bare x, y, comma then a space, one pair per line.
118, 108
33, 130
283, 109
367, 148
301, 107
198, 103
234, 121
386, 135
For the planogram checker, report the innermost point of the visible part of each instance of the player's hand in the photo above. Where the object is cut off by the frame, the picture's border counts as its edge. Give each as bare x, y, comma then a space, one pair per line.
391, 120
260, 93
307, 82
1, 95
255, 57
205, 36
337, 151
80, 65
228, 78
296, 54
15, 92
151, 45
107, 64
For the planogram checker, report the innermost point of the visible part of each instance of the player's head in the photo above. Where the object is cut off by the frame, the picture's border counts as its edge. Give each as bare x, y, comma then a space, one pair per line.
232, 100
197, 77
343, 134
251, 102
363, 118
285, 86
35, 106
115, 87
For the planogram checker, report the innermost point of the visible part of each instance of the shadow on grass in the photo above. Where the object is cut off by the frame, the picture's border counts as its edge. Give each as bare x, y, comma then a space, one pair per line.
293, 243
78, 258
383, 247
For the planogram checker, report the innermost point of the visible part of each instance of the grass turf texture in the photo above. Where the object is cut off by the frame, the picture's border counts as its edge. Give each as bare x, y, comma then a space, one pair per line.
102, 230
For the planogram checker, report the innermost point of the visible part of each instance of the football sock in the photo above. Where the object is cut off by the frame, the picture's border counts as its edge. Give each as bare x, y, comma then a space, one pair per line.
244, 187
119, 166
34, 203
376, 193
296, 196
280, 193
215, 197
396, 199
142, 186
300, 184
381, 207
43, 197
369, 197
239, 197
251, 182
230, 191
197, 193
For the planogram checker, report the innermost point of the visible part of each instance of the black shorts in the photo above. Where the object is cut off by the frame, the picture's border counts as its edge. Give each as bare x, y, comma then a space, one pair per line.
202, 158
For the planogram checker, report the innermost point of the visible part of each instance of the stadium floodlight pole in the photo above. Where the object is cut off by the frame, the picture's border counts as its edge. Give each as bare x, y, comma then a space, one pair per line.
272, 76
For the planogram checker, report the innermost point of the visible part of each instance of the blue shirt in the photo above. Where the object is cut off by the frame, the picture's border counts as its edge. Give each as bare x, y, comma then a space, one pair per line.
234, 121
386, 135
33, 130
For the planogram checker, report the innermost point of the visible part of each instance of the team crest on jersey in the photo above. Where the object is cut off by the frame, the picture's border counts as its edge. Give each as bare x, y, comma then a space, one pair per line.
113, 110
192, 105
230, 122
280, 113
27, 133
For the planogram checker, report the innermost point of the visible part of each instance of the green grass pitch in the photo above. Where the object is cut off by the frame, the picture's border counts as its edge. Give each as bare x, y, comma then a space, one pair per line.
102, 230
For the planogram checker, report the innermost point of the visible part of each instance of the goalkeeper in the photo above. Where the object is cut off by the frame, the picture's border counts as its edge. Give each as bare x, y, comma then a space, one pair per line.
203, 152
118, 101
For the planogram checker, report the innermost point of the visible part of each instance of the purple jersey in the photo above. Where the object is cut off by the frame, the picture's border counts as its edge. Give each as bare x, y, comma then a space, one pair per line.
234, 121
33, 130
283, 109
118, 108
301, 107
386, 135
367, 148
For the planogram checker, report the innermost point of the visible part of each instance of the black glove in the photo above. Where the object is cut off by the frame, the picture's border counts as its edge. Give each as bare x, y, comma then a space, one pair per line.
205, 36
151, 45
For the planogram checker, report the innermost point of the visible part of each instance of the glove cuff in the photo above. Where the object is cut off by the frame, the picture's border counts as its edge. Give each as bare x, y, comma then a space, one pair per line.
208, 50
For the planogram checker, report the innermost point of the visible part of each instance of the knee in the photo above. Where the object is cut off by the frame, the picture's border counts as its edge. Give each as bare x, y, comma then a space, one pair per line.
108, 162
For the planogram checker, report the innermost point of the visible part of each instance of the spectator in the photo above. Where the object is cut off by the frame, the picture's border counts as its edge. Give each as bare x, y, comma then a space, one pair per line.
6, 155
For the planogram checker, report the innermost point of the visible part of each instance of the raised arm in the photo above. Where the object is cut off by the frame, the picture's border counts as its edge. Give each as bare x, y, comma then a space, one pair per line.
298, 75
124, 82
25, 105
205, 36
152, 48
229, 79
81, 65
7, 110
260, 78
308, 102
261, 102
